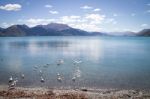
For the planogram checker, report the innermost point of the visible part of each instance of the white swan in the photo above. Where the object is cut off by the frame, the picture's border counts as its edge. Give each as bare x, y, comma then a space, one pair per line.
42, 80
74, 79
22, 76
58, 74
13, 83
10, 79
77, 62
60, 62
59, 79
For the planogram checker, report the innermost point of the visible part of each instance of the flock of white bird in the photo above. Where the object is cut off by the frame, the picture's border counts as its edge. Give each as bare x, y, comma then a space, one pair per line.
77, 73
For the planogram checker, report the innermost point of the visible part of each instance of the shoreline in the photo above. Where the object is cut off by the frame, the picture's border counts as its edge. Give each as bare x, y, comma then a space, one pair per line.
50, 93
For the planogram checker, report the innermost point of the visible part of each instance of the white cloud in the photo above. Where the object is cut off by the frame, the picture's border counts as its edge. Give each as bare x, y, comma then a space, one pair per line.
53, 12
87, 27
75, 17
5, 24
67, 19
33, 22
144, 25
70, 19
86, 7
95, 18
97, 9
11, 7
48, 6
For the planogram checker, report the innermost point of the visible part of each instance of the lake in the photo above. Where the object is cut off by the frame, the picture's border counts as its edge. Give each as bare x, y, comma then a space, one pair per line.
98, 62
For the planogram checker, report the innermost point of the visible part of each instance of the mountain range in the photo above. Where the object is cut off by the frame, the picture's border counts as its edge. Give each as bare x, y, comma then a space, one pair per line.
56, 29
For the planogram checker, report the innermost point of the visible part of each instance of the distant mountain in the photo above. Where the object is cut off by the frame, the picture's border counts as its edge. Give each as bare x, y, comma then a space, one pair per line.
1, 29
126, 33
55, 29
145, 32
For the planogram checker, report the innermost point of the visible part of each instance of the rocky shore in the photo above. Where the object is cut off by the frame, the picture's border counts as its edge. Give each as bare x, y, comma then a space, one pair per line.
47, 93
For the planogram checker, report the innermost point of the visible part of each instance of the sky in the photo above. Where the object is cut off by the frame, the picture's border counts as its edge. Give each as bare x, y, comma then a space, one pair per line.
89, 15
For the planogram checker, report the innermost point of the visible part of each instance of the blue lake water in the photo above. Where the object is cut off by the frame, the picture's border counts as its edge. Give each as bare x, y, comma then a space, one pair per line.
107, 62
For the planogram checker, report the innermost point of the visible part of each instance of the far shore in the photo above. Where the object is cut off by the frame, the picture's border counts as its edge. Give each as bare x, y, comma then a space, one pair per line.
83, 93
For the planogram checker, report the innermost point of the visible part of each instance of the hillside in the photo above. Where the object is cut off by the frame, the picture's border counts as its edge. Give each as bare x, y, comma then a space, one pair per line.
145, 32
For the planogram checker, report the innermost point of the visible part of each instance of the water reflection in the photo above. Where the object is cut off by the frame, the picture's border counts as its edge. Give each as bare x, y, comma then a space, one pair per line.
26, 44
70, 48
87, 48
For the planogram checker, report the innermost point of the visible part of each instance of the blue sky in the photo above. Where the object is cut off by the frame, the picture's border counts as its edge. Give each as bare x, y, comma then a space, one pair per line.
90, 15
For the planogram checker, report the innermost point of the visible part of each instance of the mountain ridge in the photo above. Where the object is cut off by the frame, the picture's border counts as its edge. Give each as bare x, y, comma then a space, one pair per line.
57, 29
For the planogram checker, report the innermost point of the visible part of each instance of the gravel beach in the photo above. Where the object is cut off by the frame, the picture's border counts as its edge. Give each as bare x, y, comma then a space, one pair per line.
48, 93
